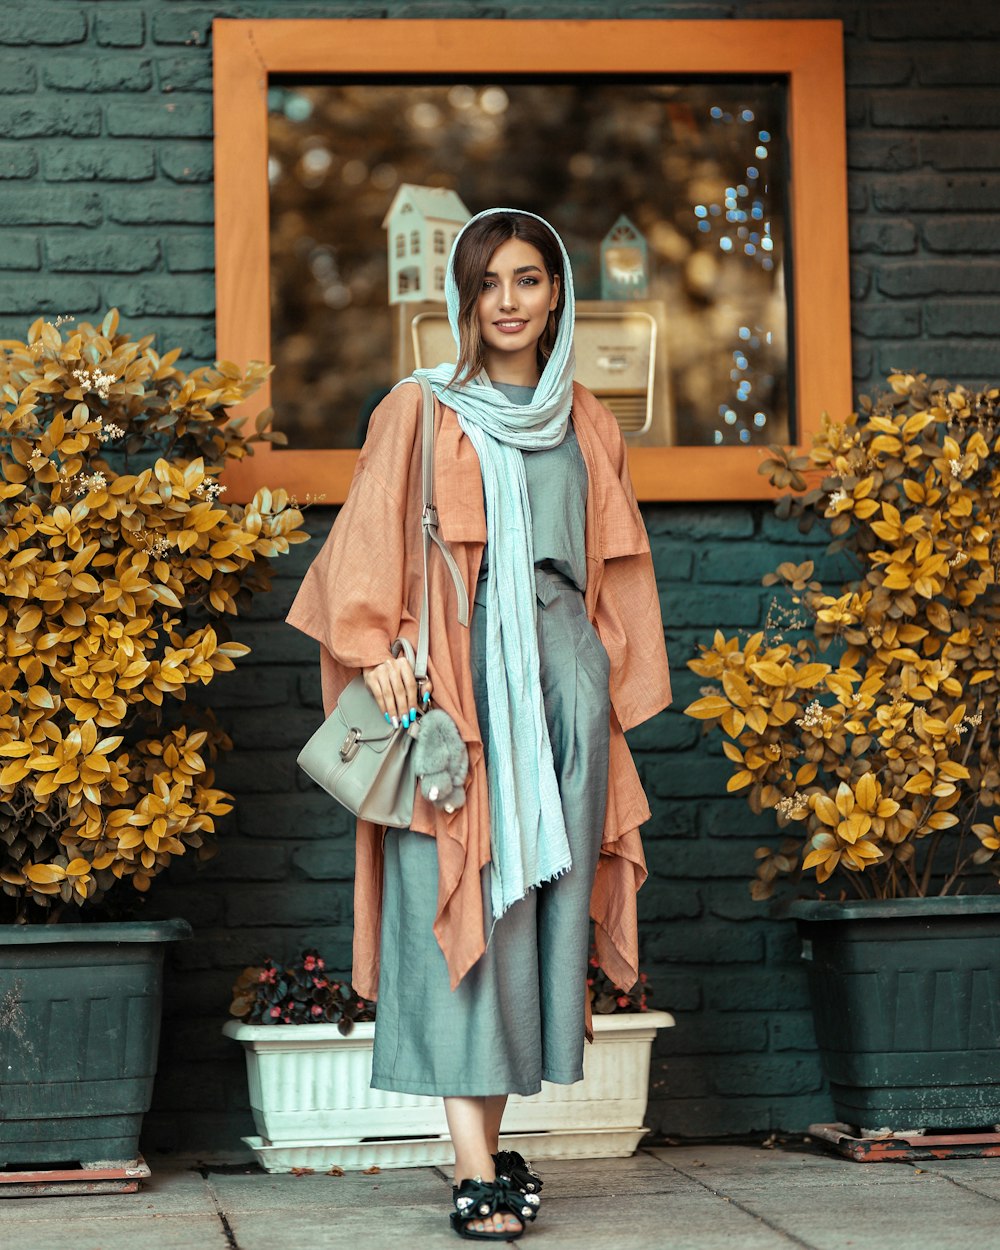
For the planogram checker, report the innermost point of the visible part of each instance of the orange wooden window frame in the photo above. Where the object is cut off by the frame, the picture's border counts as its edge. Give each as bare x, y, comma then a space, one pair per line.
809, 52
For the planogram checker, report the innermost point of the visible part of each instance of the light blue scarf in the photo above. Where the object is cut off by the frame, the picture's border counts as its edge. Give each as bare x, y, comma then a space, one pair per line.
528, 839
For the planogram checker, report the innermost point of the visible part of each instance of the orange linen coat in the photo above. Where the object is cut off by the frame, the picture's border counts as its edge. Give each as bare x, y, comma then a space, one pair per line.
364, 589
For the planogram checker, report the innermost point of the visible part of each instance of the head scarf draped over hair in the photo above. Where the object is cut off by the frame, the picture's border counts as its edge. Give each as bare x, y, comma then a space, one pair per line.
528, 840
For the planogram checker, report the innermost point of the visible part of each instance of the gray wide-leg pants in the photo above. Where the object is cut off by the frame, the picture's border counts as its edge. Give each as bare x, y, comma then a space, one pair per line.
517, 1017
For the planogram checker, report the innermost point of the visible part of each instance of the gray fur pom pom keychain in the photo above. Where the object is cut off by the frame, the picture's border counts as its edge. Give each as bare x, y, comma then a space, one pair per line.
441, 760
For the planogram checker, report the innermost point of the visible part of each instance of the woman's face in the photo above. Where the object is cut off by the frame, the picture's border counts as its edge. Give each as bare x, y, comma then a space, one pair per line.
514, 307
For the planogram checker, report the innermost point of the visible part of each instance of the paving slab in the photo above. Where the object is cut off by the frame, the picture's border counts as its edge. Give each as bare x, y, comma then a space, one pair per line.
394, 1187
148, 1232
170, 1190
723, 1166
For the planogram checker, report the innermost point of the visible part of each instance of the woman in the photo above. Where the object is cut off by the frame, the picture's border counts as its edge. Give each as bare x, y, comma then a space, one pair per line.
475, 939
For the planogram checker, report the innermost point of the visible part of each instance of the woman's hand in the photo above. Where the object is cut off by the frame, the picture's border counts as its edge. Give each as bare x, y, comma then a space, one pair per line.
394, 685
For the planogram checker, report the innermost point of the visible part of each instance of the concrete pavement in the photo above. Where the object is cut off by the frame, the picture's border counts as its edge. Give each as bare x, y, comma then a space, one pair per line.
682, 1197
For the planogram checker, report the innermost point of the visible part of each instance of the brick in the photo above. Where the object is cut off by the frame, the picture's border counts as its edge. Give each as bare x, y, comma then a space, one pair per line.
682, 943
712, 608
934, 110
939, 277
298, 816
39, 205
928, 193
291, 729
671, 560
251, 686
19, 251
248, 861
860, 279
98, 73
670, 820
234, 950
878, 69
175, 206
196, 339
310, 690
709, 1117
684, 1078
961, 151
863, 359
961, 234
193, 297
878, 321
659, 901
161, 120
744, 562
85, 161
930, 21
709, 859
674, 991
963, 317
686, 775
730, 900
732, 818
189, 253
187, 26
187, 162
703, 1033
874, 151
775, 530
793, 1030
330, 860
857, 194
274, 604
972, 363
54, 295
766, 1073
958, 64
722, 520
16, 74
783, 945
305, 904
46, 24
17, 161
190, 71
765, 990
104, 252
883, 236
277, 642
119, 29
37, 118
666, 731
258, 772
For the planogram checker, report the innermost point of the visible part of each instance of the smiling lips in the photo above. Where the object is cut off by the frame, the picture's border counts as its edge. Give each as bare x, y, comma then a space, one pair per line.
509, 327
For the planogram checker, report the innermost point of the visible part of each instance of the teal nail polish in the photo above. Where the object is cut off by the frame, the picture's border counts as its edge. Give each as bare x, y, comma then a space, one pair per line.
413, 714
406, 721
427, 697
388, 718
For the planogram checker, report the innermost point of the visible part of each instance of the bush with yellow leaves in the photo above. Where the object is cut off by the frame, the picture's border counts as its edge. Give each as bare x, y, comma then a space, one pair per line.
113, 539
883, 760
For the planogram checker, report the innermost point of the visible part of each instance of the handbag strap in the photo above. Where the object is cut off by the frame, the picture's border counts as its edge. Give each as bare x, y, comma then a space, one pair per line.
429, 525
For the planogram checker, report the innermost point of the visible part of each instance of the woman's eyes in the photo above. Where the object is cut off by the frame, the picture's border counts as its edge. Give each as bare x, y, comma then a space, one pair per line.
487, 282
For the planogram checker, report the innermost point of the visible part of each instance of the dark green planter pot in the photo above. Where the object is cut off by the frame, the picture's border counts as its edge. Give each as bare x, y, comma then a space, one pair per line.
79, 1029
906, 1002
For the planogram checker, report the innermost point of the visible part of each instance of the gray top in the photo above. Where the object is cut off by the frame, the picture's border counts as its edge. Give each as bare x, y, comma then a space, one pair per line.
557, 496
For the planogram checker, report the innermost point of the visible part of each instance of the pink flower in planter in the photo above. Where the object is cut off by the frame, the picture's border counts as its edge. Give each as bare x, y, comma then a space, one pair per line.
317, 1010
309, 963
275, 1012
622, 1000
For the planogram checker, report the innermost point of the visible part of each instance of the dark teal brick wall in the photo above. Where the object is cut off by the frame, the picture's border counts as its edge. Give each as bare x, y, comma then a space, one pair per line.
106, 199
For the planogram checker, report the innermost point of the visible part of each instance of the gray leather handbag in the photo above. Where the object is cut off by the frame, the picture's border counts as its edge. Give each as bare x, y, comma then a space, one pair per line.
356, 757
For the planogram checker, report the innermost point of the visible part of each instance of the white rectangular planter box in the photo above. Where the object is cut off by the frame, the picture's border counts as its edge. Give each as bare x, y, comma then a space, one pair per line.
313, 1105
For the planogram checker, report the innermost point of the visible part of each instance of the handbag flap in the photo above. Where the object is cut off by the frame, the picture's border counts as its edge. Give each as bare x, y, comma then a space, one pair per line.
356, 709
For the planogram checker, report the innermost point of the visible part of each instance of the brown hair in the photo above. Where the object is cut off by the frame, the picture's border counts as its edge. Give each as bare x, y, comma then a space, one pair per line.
472, 256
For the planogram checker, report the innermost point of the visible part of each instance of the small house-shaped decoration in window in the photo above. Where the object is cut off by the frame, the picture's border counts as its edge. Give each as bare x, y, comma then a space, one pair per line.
422, 223
624, 262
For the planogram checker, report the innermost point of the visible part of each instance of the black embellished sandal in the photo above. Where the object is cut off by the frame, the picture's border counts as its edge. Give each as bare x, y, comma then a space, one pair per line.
476, 1199
513, 1165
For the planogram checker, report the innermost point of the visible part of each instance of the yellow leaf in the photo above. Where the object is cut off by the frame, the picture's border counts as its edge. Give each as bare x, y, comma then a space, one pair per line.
77, 867
707, 708
737, 690
809, 674
768, 672
943, 820
44, 874
757, 719
738, 780
982, 674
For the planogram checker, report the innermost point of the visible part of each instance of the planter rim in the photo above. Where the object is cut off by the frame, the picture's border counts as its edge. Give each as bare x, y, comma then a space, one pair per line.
113, 931
895, 908
364, 1029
